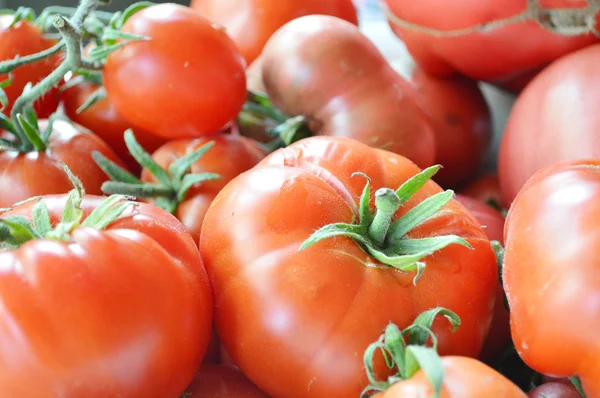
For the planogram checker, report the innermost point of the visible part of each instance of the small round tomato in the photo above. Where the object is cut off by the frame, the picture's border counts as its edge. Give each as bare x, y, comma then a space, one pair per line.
486, 189
187, 81
222, 382
555, 389
104, 121
251, 23
22, 39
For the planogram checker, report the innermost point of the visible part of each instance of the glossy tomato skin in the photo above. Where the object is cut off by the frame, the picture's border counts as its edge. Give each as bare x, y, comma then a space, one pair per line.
24, 39
251, 23
555, 389
40, 173
285, 316
541, 126
230, 156
499, 54
550, 271
222, 382
485, 189
324, 69
187, 81
124, 312
463, 378
104, 121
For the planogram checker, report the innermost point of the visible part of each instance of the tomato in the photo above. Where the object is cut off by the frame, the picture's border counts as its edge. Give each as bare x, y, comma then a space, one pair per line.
22, 39
324, 69
461, 122
539, 132
124, 311
251, 23
25, 175
187, 81
555, 390
286, 316
222, 382
104, 121
500, 42
485, 189
551, 272
492, 222
463, 378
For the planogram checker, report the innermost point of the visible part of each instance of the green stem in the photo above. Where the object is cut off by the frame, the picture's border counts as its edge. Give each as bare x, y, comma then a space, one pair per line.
258, 109
387, 203
10, 65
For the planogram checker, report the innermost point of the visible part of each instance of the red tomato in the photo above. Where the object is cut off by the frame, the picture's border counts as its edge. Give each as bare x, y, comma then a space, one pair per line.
104, 121
251, 23
222, 382
491, 221
25, 175
541, 127
485, 189
551, 272
122, 312
286, 316
187, 81
463, 378
324, 69
22, 39
555, 390
496, 41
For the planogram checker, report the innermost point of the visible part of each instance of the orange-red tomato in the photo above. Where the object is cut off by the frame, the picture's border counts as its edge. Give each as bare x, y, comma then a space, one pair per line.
251, 23
286, 316
124, 312
187, 81
222, 382
485, 189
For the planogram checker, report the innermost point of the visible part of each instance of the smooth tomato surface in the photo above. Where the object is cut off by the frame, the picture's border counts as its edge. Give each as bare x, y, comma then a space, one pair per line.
485, 189
324, 69
125, 312
222, 382
40, 173
284, 316
187, 81
551, 272
555, 390
554, 119
251, 23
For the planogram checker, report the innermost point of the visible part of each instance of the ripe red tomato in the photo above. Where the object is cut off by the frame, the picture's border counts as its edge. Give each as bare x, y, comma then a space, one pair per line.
553, 120
187, 81
551, 272
486, 189
22, 39
491, 221
25, 175
555, 390
286, 316
469, 36
122, 312
251, 23
104, 121
222, 382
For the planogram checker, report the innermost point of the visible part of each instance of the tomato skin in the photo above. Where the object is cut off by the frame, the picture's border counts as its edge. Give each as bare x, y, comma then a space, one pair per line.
104, 121
491, 221
555, 389
251, 23
463, 378
550, 271
485, 189
540, 128
285, 316
222, 382
198, 94
125, 312
323, 68
35, 174
498, 55
230, 156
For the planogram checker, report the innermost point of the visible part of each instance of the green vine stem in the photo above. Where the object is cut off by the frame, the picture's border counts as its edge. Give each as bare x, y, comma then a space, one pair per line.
10, 65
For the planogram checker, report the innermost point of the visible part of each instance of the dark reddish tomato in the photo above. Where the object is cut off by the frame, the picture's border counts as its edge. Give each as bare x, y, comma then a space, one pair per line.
286, 316
490, 219
485, 189
551, 271
555, 389
104, 121
25, 175
187, 81
554, 119
250, 23
222, 382
123, 312
324, 69
24, 39
497, 41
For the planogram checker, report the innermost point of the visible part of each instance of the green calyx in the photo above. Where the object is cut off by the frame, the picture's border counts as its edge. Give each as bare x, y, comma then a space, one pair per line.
17, 230
407, 352
173, 185
385, 238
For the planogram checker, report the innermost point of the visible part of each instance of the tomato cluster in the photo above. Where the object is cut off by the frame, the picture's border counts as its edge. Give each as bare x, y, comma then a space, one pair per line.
248, 199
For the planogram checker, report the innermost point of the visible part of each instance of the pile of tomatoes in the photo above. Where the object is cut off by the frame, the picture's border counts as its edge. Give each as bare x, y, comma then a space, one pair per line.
245, 199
